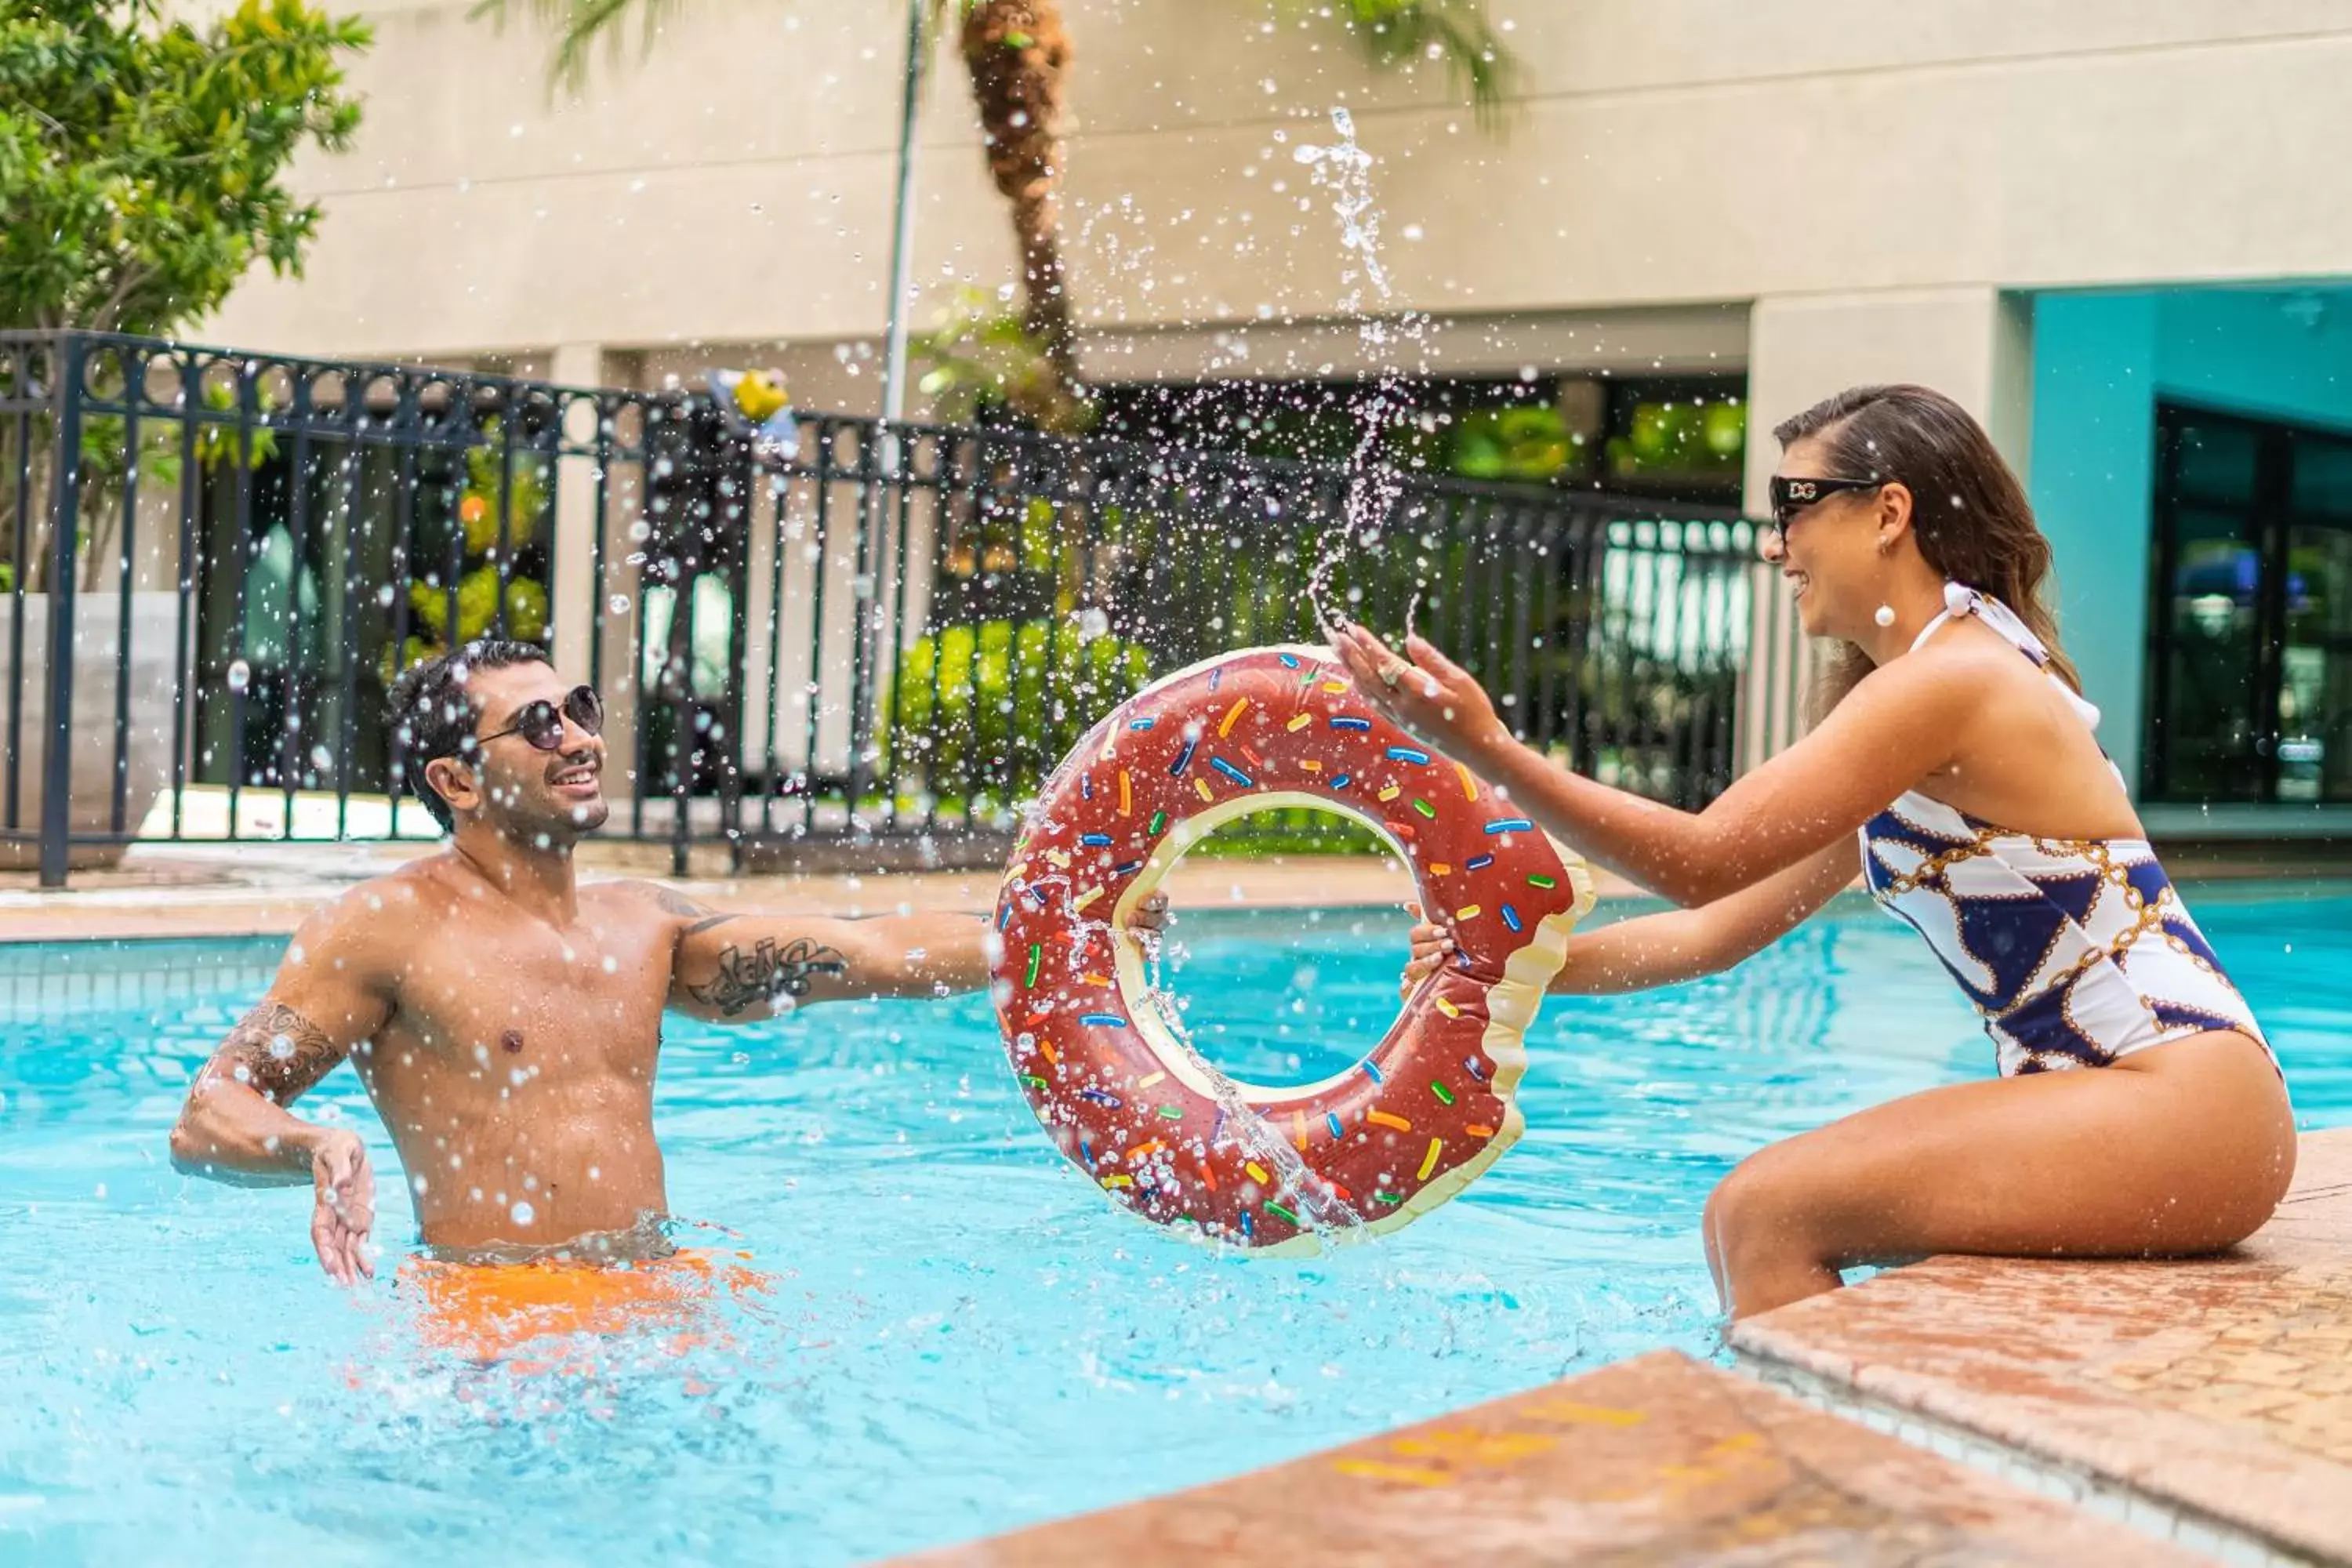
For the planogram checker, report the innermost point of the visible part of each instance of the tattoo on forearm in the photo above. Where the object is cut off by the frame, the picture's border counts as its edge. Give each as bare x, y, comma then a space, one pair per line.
276, 1052
767, 973
685, 908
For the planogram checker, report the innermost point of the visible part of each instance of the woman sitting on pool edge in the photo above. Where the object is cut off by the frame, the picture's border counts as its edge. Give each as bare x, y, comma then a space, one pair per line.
1947, 708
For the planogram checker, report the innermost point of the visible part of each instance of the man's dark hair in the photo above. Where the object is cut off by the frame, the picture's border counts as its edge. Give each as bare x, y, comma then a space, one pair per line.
433, 714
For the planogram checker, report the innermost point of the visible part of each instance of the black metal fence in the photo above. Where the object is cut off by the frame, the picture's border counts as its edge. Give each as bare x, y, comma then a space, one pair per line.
215, 562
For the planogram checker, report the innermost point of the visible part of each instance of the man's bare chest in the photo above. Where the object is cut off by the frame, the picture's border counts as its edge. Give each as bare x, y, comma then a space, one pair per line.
525, 1000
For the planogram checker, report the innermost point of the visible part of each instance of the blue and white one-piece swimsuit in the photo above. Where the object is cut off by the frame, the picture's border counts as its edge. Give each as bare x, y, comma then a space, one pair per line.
2076, 950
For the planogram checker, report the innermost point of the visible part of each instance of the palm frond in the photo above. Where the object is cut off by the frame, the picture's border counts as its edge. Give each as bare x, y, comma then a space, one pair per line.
1456, 32
578, 25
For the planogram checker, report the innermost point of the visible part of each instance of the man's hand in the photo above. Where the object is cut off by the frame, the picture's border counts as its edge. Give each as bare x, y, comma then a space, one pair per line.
345, 1208
1432, 945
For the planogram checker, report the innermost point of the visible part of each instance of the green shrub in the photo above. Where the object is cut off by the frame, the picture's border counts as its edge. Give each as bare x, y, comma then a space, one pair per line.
984, 710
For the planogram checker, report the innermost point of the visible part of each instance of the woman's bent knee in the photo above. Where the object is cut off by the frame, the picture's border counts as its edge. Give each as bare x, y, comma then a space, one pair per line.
1761, 1211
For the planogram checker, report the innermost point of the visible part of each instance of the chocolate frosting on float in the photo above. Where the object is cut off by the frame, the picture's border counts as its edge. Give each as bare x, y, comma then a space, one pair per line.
1103, 1061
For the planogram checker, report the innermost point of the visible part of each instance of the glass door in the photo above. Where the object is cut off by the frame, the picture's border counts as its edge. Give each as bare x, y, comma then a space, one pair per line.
2250, 656
2314, 745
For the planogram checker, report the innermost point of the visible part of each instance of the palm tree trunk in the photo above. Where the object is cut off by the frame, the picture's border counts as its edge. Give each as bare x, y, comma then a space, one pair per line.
1018, 53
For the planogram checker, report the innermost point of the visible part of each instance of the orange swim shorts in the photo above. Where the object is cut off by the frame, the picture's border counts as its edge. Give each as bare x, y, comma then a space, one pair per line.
489, 1311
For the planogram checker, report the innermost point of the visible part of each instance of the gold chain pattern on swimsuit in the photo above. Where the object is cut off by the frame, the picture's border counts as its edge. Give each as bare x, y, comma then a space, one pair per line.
2147, 913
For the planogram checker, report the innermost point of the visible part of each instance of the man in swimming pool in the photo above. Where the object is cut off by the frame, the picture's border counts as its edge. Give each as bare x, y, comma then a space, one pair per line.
505, 1019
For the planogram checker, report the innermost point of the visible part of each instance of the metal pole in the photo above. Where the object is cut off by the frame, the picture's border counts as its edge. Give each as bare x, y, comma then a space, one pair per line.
56, 758
902, 223
894, 408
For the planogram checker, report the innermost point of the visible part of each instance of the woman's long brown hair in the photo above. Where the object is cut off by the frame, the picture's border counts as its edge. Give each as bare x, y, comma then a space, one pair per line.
1968, 511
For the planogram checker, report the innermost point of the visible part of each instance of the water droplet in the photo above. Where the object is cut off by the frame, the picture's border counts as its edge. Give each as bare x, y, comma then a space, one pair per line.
239, 675
618, 604
523, 1213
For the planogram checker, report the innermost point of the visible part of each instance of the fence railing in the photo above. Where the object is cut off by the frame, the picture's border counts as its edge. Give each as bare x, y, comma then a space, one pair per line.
215, 562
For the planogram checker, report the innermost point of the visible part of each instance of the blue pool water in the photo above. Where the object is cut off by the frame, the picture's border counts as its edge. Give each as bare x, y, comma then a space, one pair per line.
962, 1335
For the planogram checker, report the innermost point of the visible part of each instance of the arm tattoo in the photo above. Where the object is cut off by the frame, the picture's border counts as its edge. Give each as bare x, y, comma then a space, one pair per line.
276, 1052
676, 903
767, 973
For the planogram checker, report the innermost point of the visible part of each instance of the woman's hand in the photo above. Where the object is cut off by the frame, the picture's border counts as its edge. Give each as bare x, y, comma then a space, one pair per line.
1428, 695
1432, 945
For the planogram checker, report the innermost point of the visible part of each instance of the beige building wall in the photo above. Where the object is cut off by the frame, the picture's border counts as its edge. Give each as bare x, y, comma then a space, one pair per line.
732, 185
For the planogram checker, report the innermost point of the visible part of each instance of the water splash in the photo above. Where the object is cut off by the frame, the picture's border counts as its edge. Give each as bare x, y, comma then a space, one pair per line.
1345, 169
1296, 1186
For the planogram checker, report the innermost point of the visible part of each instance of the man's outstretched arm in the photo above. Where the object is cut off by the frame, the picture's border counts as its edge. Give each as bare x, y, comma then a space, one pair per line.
739, 967
234, 1126
735, 968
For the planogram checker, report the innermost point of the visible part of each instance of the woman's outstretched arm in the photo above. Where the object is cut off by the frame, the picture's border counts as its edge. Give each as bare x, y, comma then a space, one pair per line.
1675, 945
1899, 725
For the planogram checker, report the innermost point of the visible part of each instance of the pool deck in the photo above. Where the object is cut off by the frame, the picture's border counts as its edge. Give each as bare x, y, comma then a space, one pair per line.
2208, 1400
1963, 1410
264, 889
259, 889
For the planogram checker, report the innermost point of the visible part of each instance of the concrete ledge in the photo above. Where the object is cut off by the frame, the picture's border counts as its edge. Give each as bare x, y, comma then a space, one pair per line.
1657, 1459
2207, 1400
269, 889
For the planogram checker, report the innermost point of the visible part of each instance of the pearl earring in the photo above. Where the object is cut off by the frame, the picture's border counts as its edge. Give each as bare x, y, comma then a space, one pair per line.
1884, 615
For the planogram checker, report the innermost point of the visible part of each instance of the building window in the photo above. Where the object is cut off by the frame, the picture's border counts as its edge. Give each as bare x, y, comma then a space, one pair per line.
1670, 439
2249, 624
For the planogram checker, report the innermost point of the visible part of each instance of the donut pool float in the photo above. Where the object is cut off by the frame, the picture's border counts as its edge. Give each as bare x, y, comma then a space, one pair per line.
1102, 1057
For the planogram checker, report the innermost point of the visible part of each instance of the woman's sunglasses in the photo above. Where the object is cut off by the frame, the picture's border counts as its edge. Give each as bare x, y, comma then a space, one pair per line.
542, 722
1791, 497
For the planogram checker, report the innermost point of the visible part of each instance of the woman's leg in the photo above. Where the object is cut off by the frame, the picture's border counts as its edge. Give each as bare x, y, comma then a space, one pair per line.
2181, 1148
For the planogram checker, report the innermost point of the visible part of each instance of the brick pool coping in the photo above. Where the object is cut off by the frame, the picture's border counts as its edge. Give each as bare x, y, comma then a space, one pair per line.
1962, 1410
1656, 1459
2209, 1398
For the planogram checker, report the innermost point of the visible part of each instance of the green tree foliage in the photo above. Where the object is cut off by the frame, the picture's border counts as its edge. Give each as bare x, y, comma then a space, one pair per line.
142, 160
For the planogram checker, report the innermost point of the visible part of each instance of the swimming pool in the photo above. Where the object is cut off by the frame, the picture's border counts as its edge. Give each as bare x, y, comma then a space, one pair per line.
961, 1336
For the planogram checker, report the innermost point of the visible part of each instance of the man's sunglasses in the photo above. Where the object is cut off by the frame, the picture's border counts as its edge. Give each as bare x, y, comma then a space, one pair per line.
542, 722
1791, 497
